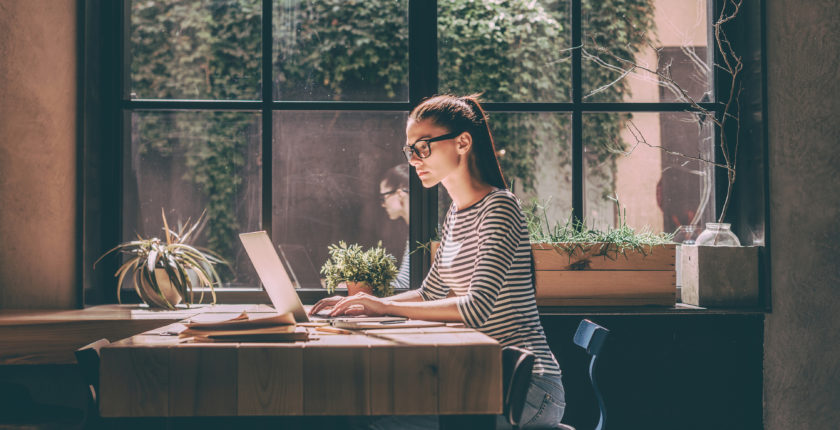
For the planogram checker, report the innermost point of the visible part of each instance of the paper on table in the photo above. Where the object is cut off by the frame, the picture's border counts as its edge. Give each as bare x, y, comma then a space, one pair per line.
244, 321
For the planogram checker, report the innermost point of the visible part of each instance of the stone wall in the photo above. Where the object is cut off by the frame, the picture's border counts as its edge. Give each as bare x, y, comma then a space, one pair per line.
37, 154
802, 346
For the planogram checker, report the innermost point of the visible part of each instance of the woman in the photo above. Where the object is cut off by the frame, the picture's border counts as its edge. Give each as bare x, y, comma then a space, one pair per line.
393, 192
485, 254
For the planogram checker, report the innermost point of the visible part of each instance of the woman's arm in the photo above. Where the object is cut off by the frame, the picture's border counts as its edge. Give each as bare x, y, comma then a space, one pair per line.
408, 296
331, 302
365, 304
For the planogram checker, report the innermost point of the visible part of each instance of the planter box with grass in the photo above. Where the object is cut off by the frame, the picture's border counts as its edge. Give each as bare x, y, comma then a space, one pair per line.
601, 274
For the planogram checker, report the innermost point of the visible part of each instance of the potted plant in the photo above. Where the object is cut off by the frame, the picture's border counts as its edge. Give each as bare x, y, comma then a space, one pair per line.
370, 271
165, 271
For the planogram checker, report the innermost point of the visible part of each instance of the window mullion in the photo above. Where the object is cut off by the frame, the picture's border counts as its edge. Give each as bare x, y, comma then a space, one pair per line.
577, 111
422, 82
267, 115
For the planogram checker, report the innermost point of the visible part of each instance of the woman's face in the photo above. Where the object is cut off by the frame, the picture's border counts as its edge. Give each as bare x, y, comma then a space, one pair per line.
393, 200
444, 156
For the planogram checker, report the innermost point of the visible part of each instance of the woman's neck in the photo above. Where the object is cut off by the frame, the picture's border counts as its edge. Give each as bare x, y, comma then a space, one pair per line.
466, 191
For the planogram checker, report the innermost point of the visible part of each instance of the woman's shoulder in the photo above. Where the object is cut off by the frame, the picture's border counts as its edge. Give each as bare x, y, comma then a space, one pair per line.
501, 198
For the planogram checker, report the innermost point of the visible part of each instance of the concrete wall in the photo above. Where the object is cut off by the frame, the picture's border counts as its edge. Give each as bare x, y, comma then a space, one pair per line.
37, 153
802, 345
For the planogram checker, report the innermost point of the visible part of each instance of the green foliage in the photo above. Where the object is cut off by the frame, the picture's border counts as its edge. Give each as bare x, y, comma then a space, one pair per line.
574, 234
175, 256
512, 50
342, 50
353, 264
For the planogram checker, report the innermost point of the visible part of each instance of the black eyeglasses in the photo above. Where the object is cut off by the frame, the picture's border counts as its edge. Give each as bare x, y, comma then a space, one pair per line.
422, 148
384, 196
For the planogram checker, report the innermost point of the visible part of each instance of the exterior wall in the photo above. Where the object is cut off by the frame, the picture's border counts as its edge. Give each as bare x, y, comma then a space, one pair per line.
801, 350
636, 178
37, 153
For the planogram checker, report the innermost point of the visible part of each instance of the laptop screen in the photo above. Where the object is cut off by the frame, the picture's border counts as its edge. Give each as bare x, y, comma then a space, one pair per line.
273, 275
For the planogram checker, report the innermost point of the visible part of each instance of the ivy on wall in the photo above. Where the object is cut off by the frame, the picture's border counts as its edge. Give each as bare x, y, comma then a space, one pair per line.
512, 50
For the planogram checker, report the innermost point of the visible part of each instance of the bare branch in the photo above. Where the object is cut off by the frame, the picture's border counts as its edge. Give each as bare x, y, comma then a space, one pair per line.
639, 137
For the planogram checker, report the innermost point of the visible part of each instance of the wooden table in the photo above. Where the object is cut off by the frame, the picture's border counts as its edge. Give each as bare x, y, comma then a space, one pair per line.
50, 336
440, 371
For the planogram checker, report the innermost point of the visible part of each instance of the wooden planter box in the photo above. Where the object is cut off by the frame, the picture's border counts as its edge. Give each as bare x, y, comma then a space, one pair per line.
593, 276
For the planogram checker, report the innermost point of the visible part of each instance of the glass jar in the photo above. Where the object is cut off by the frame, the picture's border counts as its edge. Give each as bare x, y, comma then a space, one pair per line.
717, 234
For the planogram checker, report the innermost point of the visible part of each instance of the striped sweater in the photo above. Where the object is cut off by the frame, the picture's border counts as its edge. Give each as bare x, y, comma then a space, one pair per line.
485, 259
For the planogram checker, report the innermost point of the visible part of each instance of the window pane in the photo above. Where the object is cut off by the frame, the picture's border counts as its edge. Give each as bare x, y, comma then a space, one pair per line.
534, 151
195, 49
187, 163
341, 50
513, 51
328, 168
655, 189
662, 36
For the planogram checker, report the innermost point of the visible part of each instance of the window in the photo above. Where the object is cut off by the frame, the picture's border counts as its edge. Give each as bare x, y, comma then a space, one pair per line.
298, 145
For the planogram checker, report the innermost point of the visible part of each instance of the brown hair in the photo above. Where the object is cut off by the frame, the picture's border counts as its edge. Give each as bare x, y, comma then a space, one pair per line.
396, 177
459, 114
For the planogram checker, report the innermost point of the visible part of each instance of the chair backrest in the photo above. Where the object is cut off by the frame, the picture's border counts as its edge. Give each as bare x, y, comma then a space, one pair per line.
591, 337
88, 359
517, 364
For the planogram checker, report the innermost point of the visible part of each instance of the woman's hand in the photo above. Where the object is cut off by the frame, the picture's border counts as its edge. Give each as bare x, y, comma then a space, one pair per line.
322, 304
361, 304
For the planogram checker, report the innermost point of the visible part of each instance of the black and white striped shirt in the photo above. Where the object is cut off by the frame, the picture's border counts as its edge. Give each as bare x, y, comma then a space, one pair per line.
403, 278
485, 259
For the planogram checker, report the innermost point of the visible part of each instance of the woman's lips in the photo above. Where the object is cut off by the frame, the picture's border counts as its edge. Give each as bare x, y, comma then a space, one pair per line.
422, 172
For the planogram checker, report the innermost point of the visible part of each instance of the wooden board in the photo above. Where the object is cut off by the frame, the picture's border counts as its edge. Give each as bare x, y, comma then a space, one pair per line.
203, 381
548, 257
593, 284
658, 300
461, 388
336, 380
403, 380
140, 382
270, 379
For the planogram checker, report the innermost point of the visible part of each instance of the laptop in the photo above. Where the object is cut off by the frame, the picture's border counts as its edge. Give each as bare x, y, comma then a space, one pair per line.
275, 278
273, 275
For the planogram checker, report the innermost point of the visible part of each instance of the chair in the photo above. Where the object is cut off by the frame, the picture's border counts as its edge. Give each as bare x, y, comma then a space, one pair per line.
88, 359
517, 364
591, 337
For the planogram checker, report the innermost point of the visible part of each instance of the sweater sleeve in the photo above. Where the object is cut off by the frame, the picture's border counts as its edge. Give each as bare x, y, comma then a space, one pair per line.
499, 234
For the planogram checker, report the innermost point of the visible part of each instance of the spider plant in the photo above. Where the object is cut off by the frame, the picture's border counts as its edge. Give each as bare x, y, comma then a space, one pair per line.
176, 257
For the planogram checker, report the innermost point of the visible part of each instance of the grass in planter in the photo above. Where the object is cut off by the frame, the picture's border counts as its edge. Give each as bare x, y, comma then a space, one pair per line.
574, 234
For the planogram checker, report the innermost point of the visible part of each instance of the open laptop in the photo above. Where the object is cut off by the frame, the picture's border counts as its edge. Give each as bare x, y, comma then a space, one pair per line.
276, 280
273, 275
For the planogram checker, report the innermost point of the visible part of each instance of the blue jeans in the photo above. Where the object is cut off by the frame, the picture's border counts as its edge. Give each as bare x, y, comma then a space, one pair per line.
544, 403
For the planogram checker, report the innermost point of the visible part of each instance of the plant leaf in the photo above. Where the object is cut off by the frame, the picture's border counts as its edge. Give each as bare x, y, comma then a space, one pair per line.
166, 227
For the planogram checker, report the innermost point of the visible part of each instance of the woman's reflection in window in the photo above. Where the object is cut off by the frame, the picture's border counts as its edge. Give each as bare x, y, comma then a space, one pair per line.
393, 193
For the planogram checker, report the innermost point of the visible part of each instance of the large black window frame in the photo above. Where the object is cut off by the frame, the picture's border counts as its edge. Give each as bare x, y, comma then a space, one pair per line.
106, 106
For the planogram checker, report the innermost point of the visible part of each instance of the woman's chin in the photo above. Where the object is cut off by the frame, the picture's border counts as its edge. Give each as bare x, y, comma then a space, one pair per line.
428, 182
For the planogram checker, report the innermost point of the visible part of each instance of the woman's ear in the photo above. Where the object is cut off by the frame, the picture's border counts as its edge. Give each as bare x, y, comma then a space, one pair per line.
463, 143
